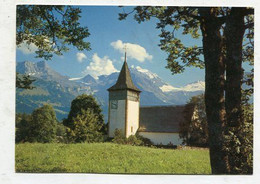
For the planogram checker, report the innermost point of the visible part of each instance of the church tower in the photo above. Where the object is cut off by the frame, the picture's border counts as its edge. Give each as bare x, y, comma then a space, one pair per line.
124, 103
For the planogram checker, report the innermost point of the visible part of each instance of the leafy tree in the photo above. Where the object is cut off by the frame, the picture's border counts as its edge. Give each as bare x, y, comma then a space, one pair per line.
222, 30
40, 126
195, 130
51, 29
22, 127
43, 125
82, 104
238, 140
85, 127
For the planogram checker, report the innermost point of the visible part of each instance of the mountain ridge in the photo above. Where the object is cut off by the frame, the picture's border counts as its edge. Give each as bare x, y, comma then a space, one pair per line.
60, 90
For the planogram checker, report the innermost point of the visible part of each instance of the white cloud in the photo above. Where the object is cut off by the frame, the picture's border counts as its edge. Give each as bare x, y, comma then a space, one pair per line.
100, 66
81, 56
134, 51
27, 48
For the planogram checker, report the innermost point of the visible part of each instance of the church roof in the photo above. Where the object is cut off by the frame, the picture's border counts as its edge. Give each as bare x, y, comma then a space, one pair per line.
163, 118
124, 80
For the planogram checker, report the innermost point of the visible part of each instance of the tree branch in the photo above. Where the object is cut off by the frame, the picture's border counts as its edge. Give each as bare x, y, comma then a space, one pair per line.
249, 25
249, 11
185, 12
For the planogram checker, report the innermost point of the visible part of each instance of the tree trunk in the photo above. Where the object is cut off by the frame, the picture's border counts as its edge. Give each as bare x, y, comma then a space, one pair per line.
214, 91
234, 32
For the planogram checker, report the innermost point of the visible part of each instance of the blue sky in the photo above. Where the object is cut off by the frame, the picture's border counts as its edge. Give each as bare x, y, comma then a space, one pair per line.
108, 35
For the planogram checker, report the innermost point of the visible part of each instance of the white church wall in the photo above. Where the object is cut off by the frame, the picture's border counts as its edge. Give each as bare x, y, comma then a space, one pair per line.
117, 118
132, 117
162, 138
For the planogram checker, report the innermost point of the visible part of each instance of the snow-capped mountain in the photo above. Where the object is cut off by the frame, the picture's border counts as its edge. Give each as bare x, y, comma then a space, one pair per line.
195, 86
154, 90
145, 71
59, 90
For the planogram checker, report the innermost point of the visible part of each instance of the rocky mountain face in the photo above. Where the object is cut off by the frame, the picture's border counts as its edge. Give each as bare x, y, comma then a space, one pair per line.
59, 90
50, 87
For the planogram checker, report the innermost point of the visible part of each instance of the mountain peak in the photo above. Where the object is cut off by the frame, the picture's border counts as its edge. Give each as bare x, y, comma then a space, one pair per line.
148, 73
88, 79
191, 87
33, 68
40, 70
169, 88
195, 86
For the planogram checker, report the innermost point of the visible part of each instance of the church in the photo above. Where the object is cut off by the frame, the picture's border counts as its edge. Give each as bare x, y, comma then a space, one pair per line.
160, 124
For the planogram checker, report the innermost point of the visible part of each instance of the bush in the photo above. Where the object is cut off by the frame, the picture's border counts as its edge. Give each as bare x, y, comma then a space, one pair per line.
119, 137
135, 140
144, 141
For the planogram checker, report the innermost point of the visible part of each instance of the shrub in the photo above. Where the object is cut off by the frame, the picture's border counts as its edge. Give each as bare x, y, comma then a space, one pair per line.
144, 141
119, 137
136, 140
133, 140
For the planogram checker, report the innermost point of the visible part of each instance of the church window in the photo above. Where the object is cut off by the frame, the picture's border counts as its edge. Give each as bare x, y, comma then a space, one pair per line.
132, 129
114, 104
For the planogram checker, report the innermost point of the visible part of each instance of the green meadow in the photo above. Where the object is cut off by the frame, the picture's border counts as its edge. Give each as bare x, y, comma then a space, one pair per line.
109, 158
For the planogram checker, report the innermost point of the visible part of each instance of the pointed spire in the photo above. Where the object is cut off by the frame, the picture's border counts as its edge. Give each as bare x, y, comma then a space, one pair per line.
124, 80
125, 52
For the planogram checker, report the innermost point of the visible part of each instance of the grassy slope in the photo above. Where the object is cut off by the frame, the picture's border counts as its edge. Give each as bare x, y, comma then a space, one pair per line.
109, 158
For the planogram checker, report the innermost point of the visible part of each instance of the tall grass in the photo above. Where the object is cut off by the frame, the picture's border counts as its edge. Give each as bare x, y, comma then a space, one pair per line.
109, 158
